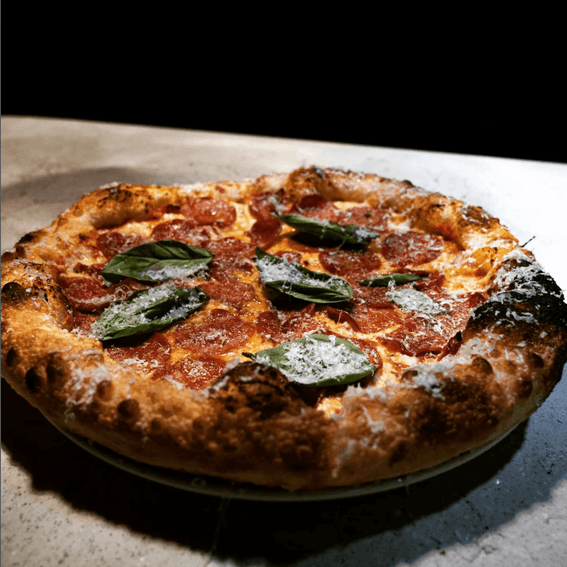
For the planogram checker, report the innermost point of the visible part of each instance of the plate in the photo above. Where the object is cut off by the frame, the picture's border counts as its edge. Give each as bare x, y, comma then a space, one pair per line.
231, 489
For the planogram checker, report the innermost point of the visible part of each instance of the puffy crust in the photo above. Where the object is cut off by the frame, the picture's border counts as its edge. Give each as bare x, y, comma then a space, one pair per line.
253, 426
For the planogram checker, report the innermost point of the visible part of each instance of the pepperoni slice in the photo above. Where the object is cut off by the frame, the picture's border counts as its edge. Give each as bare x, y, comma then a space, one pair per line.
89, 269
418, 335
231, 247
182, 230
289, 255
209, 211
264, 204
82, 322
316, 206
194, 373
372, 320
373, 297
91, 294
348, 264
220, 333
264, 232
368, 217
268, 326
412, 248
232, 292
113, 242
298, 323
341, 316
281, 326
155, 350
225, 268
86, 294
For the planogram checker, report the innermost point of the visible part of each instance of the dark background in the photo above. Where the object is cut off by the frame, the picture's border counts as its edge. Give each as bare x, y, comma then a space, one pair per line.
453, 100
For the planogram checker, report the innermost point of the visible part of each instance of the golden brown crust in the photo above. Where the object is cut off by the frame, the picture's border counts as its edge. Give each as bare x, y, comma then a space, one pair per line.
254, 426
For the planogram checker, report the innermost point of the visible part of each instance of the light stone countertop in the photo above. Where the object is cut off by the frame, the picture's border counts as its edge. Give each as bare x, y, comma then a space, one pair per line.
63, 506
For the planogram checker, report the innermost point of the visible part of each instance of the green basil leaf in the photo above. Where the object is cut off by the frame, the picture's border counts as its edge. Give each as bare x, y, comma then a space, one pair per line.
384, 281
157, 261
317, 360
299, 282
148, 310
325, 229
413, 300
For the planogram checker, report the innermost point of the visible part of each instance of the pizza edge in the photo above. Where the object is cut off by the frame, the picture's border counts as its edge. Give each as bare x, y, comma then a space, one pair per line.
251, 426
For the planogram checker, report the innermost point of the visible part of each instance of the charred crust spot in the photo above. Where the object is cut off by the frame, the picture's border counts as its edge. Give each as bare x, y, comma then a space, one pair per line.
465, 407
13, 292
481, 366
118, 194
11, 356
128, 409
156, 425
27, 238
408, 375
535, 360
524, 388
398, 453
265, 391
252, 422
306, 181
35, 380
104, 390
55, 371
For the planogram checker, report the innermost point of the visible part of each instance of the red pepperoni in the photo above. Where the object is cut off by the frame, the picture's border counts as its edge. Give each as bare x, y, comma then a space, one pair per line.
209, 211
412, 248
415, 337
316, 206
419, 335
82, 322
182, 230
341, 316
232, 292
369, 350
264, 232
372, 297
298, 323
283, 326
231, 247
89, 269
194, 373
351, 265
91, 294
156, 349
368, 217
371, 320
289, 255
226, 268
113, 242
220, 333
264, 204
268, 326
86, 294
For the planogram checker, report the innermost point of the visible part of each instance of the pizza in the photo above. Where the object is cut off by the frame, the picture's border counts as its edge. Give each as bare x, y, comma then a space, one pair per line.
305, 330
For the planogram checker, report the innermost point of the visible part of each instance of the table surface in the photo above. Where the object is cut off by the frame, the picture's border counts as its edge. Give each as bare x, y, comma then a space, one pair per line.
63, 506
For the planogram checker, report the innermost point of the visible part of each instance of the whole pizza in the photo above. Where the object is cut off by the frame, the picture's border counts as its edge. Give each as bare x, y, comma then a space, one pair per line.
304, 330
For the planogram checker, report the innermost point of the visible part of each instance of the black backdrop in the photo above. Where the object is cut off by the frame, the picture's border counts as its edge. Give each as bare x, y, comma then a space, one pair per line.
112, 79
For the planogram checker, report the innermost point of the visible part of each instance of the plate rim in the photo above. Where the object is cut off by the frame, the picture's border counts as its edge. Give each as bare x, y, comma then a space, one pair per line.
225, 488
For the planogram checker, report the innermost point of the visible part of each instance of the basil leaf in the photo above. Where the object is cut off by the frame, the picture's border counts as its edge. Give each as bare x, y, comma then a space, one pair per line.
413, 300
148, 310
317, 360
385, 280
325, 229
299, 282
156, 261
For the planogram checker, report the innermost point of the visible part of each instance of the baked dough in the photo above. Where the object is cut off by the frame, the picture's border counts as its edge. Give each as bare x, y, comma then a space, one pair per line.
444, 382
